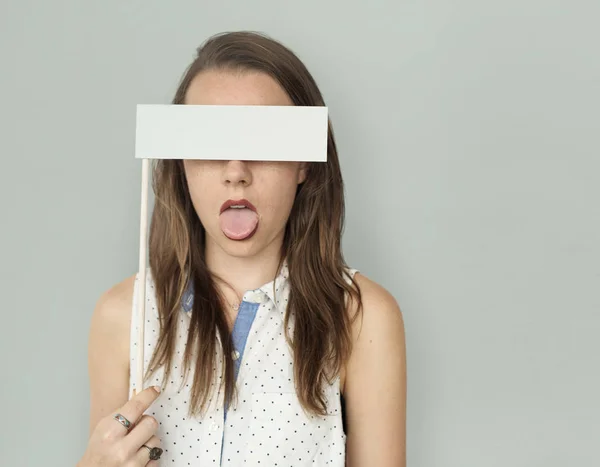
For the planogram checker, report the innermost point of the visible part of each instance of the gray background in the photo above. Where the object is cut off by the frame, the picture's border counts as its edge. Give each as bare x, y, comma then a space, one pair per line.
468, 132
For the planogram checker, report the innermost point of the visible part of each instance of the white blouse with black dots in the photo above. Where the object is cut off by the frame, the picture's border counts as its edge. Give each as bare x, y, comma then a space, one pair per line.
267, 426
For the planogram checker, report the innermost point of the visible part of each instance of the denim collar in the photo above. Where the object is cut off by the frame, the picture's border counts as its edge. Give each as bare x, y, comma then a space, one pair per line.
272, 291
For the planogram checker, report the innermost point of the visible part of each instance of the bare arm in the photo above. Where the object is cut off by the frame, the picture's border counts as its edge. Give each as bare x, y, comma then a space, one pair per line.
108, 351
375, 383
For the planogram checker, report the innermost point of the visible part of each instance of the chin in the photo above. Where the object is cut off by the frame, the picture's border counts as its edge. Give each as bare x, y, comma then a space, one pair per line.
246, 248
238, 249
253, 245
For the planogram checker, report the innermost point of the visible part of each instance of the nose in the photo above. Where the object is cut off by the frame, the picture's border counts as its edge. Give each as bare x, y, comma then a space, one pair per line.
237, 173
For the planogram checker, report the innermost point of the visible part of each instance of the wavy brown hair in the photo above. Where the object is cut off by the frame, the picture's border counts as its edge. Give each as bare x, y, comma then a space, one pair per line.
319, 289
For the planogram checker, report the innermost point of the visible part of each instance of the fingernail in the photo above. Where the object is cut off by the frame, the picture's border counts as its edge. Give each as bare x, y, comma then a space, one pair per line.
156, 388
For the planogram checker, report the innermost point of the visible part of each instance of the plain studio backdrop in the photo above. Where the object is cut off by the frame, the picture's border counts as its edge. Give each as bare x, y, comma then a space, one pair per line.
468, 134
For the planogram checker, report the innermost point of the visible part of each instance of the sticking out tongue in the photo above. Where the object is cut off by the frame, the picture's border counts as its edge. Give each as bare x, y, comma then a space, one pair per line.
238, 224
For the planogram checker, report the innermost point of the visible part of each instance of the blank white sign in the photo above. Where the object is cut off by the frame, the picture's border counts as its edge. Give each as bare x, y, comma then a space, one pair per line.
232, 132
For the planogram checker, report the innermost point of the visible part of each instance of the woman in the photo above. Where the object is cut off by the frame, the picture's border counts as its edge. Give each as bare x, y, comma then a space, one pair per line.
266, 349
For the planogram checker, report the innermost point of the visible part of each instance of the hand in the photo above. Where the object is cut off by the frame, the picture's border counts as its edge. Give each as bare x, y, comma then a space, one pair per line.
113, 445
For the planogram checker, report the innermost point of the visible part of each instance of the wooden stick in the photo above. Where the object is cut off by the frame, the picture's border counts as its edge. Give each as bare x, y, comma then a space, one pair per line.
141, 299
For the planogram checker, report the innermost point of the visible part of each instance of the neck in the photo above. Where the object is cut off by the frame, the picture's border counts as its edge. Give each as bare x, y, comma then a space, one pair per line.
244, 273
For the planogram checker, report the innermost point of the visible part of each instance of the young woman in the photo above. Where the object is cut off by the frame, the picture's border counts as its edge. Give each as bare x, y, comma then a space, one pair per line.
264, 346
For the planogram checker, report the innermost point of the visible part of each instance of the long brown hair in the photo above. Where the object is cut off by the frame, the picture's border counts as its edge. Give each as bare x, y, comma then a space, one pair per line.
321, 340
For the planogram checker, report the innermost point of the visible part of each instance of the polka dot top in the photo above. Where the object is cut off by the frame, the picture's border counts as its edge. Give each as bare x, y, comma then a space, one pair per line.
267, 426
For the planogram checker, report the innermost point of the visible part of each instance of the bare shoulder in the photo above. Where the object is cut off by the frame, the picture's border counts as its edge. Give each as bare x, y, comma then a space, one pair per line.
108, 349
380, 315
111, 318
116, 302
375, 382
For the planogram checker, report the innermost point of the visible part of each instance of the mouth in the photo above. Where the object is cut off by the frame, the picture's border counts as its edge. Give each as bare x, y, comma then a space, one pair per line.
238, 219
237, 204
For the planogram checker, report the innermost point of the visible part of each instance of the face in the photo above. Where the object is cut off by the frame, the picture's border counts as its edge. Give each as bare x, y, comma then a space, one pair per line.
262, 193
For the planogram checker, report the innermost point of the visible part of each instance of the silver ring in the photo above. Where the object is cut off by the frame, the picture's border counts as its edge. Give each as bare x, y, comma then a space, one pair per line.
122, 420
154, 453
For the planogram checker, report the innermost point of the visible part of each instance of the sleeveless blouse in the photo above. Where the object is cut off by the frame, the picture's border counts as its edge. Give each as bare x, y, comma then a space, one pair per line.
267, 424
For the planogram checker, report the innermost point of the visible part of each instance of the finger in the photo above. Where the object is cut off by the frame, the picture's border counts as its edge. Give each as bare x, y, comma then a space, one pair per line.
141, 432
142, 456
136, 406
